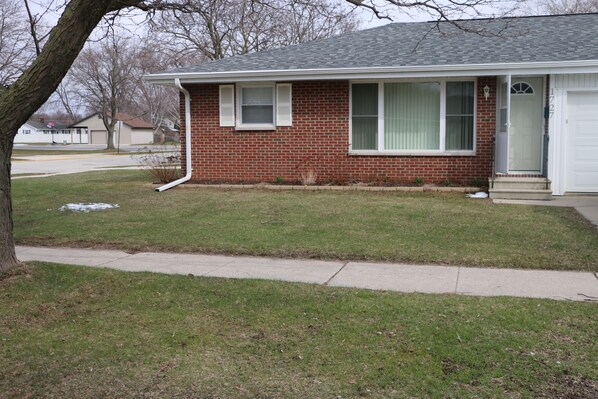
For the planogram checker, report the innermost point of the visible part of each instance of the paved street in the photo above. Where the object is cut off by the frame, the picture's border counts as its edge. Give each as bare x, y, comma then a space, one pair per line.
76, 147
575, 286
65, 163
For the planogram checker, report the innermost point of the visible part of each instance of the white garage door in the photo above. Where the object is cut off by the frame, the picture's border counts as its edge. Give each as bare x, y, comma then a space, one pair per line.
581, 162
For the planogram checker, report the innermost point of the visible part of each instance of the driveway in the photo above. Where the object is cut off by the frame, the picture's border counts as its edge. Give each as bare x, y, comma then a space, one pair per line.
587, 205
48, 165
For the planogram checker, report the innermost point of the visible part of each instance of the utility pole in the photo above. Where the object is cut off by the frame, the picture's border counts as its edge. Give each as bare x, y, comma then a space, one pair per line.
51, 126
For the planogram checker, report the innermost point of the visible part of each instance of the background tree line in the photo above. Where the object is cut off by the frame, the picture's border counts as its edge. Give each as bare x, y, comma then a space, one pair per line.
106, 78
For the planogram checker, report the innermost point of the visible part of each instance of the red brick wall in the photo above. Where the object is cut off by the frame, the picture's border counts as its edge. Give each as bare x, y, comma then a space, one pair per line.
319, 139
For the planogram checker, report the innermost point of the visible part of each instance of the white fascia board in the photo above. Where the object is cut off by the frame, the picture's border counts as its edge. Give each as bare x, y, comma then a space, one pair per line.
561, 67
28, 125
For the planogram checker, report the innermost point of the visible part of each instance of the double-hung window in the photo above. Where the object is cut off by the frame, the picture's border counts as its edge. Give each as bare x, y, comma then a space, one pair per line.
413, 117
256, 106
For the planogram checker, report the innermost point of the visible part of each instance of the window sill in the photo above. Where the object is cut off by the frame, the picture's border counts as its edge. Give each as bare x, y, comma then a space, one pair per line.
413, 153
255, 127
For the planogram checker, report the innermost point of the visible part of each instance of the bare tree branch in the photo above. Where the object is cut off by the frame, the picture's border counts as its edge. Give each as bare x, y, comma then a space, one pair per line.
15, 54
562, 6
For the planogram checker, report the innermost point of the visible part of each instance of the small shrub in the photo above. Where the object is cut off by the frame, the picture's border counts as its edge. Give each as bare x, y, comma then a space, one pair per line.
419, 180
446, 183
279, 179
306, 171
162, 163
381, 180
308, 178
477, 182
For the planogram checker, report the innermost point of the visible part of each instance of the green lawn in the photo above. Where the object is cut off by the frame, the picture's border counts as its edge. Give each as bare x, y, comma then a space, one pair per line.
400, 227
76, 332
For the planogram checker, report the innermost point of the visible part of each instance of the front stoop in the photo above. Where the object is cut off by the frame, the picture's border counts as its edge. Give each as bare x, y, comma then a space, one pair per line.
520, 188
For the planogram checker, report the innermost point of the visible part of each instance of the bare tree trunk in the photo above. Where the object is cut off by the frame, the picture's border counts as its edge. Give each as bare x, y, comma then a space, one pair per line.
110, 143
8, 258
20, 100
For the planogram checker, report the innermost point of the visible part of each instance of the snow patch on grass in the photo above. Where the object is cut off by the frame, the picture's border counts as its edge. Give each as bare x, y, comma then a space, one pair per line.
87, 207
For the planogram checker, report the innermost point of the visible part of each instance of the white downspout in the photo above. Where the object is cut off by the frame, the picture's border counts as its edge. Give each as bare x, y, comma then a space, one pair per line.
187, 177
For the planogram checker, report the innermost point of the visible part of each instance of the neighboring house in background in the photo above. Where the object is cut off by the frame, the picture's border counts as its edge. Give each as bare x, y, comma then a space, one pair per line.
42, 131
407, 101
131, 130
168, 132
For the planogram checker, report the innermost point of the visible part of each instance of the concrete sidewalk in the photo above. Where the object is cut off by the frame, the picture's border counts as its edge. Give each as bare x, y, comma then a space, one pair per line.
576, 286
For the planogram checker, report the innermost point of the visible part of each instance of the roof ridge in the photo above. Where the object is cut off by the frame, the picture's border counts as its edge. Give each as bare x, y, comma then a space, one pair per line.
513, 39
518, 17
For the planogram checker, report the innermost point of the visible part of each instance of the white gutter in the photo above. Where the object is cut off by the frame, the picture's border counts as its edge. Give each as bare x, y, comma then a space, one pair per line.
187, 177
551, 67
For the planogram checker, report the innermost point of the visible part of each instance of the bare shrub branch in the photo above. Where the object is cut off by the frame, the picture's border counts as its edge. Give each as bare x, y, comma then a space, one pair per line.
163, 163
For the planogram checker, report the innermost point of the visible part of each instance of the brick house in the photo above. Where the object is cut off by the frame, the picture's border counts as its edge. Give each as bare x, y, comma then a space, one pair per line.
404, 102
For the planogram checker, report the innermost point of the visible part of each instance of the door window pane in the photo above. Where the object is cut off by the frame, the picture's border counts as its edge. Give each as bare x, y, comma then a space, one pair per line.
412, 116
365, 116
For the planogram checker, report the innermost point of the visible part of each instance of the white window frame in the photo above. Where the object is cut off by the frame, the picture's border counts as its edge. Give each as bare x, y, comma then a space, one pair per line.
524, 93
239, 107
442, 142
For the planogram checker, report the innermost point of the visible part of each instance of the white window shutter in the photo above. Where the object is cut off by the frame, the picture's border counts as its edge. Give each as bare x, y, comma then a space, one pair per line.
227, 105
284, 104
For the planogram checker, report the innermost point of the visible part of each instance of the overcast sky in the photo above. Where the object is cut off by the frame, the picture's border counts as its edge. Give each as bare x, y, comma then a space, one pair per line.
368, 19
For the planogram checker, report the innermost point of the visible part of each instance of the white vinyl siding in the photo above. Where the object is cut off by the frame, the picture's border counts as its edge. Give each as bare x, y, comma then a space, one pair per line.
574, 81
227, 105
427, 117
561, 160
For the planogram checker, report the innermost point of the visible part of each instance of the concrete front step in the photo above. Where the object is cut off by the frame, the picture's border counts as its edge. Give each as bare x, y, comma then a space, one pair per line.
520, 183
520, 194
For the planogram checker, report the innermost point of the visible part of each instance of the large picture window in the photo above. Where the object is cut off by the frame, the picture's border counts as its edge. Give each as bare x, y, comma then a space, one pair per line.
413, 117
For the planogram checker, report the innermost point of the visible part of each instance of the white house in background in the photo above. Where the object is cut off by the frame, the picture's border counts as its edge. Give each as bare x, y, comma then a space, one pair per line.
41, 131
129, 130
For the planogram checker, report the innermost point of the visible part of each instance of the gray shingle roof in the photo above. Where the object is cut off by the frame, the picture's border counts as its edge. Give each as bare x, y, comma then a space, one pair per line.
39, 125
528, 39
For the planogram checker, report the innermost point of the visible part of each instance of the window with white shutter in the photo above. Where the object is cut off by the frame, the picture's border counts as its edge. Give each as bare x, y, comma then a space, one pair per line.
284, 104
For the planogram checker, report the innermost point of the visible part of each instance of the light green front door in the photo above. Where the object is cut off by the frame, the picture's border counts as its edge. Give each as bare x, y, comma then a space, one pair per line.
525, 133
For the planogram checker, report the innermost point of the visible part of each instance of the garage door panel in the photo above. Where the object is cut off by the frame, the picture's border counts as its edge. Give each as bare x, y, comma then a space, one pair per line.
586, 130
586, 182
581, 163
584, 154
